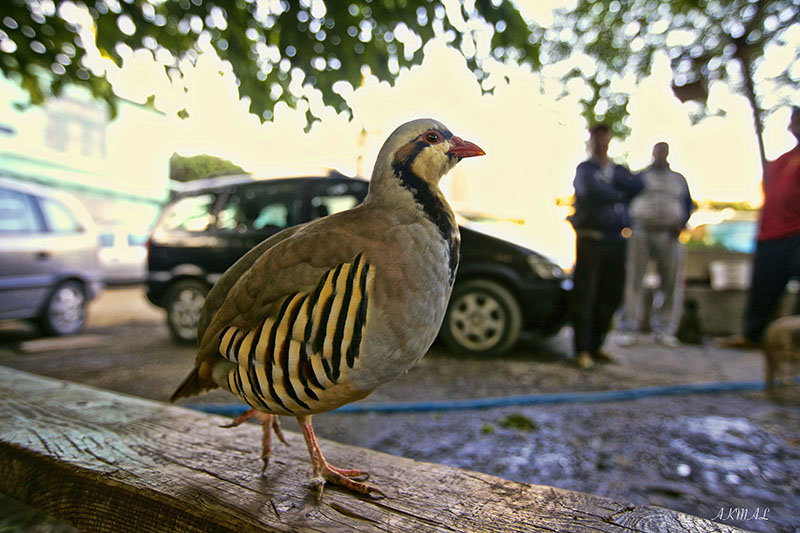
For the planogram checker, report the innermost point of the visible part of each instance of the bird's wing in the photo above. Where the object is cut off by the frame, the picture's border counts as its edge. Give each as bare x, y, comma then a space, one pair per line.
292, 264
225, 283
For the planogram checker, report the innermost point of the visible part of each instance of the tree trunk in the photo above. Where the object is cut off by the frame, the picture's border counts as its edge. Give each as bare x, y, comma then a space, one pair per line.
750, 93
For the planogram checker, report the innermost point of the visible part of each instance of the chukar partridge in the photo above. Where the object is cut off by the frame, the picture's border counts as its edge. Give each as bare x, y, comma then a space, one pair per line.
320, 314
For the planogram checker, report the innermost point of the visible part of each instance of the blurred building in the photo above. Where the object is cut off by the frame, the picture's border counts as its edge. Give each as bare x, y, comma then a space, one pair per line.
118, 167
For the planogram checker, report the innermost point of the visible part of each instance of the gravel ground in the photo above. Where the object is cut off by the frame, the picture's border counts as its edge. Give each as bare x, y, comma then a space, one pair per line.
715, 455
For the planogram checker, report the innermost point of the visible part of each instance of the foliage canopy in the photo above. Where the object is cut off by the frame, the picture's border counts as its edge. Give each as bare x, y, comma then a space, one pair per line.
271, 44
200, 166
263, 40
706, 40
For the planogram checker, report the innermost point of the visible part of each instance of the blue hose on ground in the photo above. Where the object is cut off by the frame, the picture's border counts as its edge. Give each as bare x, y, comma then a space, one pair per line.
528, 399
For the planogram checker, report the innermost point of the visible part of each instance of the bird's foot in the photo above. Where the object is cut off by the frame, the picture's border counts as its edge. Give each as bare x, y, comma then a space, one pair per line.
269, 423
325, 472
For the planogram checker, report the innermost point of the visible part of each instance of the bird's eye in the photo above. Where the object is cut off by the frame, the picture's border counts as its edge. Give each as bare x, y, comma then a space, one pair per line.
432, 137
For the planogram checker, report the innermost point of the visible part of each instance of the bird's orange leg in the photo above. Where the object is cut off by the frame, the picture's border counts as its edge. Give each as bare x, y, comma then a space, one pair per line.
325, 472
269, 423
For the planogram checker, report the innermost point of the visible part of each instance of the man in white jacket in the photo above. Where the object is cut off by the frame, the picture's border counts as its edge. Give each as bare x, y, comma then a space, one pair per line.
659, 214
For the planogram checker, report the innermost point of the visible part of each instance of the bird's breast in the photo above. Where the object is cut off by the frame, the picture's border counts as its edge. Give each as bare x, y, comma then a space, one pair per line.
411, 290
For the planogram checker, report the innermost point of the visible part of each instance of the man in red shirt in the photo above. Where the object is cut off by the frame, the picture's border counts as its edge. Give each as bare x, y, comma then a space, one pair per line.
777, 256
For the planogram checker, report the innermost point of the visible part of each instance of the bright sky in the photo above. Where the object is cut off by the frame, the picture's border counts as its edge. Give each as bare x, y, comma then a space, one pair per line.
532, 139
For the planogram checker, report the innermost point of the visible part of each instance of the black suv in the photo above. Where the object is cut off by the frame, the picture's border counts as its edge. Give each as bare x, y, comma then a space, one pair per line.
501, 288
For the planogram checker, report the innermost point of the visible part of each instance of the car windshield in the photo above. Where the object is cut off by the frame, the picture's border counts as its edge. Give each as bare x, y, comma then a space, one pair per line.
192, 213
513, 230
59, 219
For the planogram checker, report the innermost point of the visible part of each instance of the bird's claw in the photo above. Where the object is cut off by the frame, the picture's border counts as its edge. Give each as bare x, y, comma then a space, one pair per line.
318, 484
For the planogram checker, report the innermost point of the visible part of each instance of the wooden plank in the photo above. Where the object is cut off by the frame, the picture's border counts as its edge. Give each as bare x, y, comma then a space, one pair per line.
103, 461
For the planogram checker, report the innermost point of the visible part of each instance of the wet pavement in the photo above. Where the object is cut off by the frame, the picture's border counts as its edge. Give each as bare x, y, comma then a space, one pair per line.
732, 457
694, 454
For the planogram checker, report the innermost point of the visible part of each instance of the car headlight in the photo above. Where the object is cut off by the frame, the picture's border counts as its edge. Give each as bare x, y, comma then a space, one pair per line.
543, 268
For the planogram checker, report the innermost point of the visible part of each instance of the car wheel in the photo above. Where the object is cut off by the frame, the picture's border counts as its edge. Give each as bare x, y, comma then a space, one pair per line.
483, 318
183, 302
65, 312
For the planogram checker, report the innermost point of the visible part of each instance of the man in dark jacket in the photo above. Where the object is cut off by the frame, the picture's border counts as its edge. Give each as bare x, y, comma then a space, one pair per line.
603, 190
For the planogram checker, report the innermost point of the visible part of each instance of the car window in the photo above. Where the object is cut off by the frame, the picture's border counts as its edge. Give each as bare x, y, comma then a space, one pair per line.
328, 199
107, 240
192, 213
18, 213
259, 207
59, 218
137, 239
327, 205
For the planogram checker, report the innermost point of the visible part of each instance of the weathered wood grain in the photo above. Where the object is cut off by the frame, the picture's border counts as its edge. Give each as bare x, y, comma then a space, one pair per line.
103, 461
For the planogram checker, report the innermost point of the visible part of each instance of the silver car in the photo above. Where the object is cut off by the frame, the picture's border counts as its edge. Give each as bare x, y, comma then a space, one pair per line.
49, 267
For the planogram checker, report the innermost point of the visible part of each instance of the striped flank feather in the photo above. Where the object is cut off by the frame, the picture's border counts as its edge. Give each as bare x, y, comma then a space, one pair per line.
287, 362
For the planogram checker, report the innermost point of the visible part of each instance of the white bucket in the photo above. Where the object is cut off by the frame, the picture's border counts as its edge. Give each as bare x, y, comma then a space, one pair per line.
730, 275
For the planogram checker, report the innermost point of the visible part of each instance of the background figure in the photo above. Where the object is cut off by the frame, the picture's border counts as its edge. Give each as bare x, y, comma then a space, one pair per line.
603, 190
659, 214
777, 256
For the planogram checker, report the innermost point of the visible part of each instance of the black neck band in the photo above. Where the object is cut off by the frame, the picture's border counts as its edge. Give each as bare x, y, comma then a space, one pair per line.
434, 208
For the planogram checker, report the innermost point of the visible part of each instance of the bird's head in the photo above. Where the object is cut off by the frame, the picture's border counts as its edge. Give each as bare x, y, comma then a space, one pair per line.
425, 148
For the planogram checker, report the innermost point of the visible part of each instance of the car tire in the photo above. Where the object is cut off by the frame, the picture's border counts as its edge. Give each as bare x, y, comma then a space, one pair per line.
65, 312
483, 318
183, 302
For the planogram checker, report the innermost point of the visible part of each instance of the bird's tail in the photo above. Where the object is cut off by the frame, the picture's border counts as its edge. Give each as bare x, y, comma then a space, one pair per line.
198, 380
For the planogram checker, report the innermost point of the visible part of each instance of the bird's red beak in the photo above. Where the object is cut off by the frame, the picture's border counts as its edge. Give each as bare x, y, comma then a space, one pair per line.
461, 148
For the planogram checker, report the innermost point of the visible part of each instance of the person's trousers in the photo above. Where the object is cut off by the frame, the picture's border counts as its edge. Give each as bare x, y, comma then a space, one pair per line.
598, 282
775, 262
667, 252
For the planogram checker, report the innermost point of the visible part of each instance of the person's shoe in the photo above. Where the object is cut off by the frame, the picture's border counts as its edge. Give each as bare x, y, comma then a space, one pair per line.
604, 357
626, 339
665, 339
738, 341
584, 360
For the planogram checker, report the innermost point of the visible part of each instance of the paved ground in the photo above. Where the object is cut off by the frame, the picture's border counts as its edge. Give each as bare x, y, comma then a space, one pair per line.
703, 454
